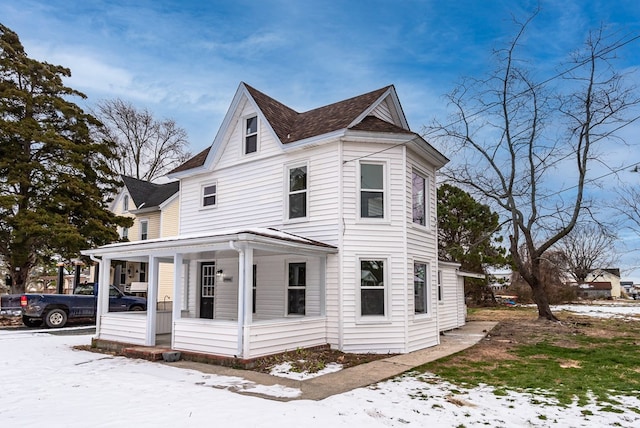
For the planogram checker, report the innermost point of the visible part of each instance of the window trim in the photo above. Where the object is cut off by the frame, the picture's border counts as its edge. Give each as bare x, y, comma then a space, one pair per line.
363, 319
427, 290
125, 203
385, 191
125, 233
245, 135
440, 288
288, 193
304, 287
203, 186
427, 216
144, 221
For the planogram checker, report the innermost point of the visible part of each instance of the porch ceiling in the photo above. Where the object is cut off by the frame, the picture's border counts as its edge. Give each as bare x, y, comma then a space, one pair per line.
264, 239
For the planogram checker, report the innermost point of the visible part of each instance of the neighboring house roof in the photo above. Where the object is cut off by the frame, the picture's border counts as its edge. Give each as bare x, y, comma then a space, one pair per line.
290, 126
612, 271
149, 195
598, 285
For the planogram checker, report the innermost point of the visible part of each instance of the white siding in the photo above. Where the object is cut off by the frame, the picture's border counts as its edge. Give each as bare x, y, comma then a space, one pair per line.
422, 247
130, 327
272, 337
374, 239
206, 336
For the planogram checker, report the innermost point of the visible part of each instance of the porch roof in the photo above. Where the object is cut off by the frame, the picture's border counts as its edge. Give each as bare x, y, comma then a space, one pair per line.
264, 238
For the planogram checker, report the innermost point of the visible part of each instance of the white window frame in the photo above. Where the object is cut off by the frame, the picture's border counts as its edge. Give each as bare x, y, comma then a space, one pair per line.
440, 288
288, 287
245, 135
427, 192
427, 289
125, 203
362, 319
385, 192
203, 195
146, 223
125, 233
288, 192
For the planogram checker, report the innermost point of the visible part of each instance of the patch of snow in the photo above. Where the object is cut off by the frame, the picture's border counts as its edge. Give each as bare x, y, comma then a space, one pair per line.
285, 370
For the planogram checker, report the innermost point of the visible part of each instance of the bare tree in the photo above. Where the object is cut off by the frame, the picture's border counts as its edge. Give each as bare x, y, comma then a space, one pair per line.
628, 206
147, 148
516, 137
588, 247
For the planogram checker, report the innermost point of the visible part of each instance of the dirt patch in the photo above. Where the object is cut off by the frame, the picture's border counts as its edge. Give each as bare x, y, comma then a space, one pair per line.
314, 360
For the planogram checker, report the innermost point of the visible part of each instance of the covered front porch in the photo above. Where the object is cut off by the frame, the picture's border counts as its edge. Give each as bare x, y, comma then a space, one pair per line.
238, 294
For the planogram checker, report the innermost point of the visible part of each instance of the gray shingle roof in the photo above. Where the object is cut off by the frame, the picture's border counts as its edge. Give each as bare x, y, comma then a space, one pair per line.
149, 195
291, 126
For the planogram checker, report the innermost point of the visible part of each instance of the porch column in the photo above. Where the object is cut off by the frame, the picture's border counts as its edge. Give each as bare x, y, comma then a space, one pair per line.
102, 306
178, 289
248, 300
323, 285
152, 298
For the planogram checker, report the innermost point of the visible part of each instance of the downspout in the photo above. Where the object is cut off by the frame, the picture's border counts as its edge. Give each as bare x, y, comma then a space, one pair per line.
98, 316
241, 285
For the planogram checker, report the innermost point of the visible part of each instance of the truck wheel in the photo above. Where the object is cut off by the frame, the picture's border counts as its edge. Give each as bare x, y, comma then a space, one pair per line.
56, 318
136, 308
31, 322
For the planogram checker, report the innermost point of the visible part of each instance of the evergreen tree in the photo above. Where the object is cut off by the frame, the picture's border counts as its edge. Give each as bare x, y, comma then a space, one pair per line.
468, 234
53, 176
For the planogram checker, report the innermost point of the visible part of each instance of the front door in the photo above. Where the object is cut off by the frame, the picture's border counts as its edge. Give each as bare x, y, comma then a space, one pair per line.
207, 289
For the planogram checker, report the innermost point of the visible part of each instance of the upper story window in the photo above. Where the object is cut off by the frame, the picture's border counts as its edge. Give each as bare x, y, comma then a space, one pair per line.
209, 195
125, 203
251, 135
372, 287
297, 198
144, 230
125, 233
419, 199
371, 190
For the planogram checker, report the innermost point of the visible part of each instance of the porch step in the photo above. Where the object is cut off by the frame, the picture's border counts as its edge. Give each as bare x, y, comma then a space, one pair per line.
150, 353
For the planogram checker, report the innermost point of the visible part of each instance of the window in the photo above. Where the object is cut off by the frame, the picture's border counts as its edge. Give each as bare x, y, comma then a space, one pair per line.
209, 195
419, 205
371, 190
125, 203
125, 233
298, 192
439, 286
251, 135
144, 229
420, 293
296, 290
255, 289
143, 272
123, 273
372, 289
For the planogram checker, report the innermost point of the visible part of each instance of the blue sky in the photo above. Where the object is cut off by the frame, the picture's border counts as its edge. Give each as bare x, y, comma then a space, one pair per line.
184, 59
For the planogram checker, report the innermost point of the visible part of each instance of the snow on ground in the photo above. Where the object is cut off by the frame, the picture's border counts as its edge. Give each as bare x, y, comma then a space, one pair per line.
603, 310
47, 382
285, 370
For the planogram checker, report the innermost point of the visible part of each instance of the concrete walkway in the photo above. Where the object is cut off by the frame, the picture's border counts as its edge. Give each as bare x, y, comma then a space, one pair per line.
359, 376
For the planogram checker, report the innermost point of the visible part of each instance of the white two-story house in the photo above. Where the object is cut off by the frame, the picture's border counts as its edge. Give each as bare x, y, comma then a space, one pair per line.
299, 230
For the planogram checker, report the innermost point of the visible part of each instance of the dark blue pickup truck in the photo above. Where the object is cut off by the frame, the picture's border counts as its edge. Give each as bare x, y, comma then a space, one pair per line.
56, 309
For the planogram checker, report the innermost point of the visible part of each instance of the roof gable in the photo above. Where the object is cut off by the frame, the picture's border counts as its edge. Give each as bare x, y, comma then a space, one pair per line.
289, 126
146, 194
